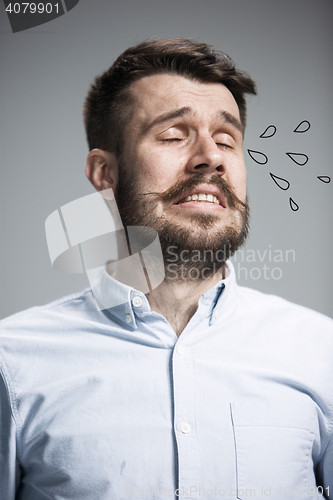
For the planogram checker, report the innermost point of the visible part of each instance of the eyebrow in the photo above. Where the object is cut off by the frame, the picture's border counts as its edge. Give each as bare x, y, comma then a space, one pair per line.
185, 111
231, 119
171, 115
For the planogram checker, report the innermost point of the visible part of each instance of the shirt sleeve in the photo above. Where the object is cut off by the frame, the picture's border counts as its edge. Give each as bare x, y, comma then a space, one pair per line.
325, 471
9, 467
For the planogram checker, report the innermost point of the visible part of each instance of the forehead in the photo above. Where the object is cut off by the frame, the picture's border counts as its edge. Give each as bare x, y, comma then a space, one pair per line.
159, 94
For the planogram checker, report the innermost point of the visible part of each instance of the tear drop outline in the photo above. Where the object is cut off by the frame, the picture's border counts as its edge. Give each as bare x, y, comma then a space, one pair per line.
274, 177
322, 177
250, 151
300, 126
291, 156
264, 136
293, 205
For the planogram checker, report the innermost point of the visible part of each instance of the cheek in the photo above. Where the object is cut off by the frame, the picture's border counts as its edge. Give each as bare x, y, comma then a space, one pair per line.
159, 169
238, 183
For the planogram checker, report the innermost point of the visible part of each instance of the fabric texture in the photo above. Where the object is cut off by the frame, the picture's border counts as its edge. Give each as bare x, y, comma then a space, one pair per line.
106, 405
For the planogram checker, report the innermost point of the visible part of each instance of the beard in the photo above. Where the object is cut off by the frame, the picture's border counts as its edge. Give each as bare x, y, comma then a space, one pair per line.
189, 238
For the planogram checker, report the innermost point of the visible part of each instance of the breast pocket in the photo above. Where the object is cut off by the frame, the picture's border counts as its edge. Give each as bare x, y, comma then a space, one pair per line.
273, 443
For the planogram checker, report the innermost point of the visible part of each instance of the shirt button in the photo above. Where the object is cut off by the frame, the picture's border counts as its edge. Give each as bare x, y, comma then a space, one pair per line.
180, 350
185, 427
128, 318
137, 301
216, 314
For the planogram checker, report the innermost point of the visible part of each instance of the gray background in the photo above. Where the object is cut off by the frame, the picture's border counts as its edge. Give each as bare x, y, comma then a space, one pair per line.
286, 45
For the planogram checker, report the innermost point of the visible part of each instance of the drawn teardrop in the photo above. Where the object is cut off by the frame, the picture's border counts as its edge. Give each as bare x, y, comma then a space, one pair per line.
269, 132
258, 157
302, 127
280, 182
293, 205
299, 158
324, 178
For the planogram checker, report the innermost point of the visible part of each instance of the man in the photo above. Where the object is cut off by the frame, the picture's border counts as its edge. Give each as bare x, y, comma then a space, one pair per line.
198, 388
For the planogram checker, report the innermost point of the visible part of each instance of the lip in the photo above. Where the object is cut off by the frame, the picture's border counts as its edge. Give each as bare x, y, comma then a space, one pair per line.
202, 188
199, 205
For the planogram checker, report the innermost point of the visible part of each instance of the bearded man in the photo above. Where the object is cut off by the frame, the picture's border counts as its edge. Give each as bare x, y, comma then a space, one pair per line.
199, 388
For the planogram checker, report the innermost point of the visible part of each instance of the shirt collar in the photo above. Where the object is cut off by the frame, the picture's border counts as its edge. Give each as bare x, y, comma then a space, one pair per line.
223, 295
123, 301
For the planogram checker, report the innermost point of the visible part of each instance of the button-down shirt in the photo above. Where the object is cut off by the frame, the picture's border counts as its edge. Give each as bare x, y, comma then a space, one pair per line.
108, 405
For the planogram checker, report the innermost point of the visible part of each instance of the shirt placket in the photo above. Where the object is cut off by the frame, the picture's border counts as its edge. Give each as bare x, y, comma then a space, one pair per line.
185, 425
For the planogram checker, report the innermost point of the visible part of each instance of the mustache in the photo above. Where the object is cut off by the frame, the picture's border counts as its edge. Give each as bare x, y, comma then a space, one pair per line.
199, 178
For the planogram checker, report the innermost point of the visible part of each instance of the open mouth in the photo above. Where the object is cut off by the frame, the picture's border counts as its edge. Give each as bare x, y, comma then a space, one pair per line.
202, 197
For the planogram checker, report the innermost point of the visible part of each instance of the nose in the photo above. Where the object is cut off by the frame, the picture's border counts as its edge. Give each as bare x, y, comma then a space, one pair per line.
206, 156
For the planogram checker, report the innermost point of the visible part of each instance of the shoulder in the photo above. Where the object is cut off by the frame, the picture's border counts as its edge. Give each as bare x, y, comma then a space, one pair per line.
283, 312
40, 317
36, 340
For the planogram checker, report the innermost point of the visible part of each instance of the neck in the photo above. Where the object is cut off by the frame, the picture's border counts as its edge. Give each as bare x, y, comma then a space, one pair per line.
178, 301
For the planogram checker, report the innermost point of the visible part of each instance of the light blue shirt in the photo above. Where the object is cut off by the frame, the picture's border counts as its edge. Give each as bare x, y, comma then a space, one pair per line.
109, 405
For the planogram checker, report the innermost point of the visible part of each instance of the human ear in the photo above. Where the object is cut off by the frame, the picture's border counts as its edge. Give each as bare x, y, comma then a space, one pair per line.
102, 169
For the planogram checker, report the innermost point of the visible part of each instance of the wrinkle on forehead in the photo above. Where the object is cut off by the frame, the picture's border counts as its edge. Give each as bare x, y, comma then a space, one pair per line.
159, 94
220, 115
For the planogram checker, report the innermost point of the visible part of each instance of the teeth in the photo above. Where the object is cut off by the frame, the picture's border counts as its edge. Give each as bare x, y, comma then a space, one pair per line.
202, 197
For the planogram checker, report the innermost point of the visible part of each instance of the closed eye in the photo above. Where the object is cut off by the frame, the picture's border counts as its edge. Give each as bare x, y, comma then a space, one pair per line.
174, 139
224, 145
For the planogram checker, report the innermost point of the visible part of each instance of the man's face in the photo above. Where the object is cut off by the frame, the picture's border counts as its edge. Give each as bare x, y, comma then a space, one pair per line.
182, 170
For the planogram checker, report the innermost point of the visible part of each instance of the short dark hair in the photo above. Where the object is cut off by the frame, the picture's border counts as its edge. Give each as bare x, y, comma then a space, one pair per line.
109, 104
